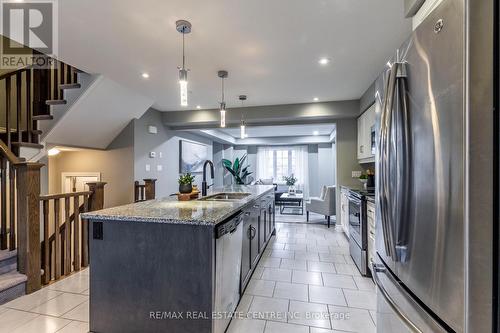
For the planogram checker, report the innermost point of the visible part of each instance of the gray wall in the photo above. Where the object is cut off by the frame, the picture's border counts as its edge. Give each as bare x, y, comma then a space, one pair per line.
367, 99
346, 157
166, 141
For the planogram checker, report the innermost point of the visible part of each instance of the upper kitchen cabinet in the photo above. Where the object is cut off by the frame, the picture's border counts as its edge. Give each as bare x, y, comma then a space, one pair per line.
366, 136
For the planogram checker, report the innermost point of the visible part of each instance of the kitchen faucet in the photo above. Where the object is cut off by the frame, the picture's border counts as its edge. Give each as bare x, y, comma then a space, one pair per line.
204, 186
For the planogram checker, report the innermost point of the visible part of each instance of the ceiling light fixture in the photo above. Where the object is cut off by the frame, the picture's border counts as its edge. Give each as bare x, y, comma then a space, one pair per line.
324, 61
198, 107
243, 134
223, 75
315, 133
315, 99
184, 27
53, 152
145, 75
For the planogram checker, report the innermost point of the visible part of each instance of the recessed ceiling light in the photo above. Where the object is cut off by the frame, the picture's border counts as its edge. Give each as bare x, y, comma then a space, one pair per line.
315, 133
315, 99
145, 75
198, 107
53, 152
324, 61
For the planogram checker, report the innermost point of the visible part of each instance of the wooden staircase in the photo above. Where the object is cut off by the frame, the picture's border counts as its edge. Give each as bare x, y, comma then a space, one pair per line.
29, 249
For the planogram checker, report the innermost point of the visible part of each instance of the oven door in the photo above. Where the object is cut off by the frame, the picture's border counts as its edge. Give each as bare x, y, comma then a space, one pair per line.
355, 220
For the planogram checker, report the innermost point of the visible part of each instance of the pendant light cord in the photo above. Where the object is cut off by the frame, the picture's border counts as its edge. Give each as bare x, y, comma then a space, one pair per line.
222, 90
183, 57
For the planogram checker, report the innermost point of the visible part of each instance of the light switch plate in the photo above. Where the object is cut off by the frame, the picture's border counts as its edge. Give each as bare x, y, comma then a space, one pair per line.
160, 154
148, 167
356, 174
159, 167
152, 154
152, 129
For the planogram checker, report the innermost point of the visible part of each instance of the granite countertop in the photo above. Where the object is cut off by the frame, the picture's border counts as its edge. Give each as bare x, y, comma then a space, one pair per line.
359, 189
170, 210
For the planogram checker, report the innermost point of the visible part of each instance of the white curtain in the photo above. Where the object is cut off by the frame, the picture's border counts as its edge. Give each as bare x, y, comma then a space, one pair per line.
267, 165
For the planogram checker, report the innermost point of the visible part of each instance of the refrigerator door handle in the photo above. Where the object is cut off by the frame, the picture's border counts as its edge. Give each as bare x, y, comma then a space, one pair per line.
378, 269
405, 166
384, 149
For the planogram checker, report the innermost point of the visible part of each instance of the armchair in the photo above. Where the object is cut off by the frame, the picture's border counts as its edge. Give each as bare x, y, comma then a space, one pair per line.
324, 205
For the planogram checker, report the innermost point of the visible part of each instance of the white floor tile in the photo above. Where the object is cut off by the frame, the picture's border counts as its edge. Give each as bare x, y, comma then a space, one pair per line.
351, 320
309, 314
282, 254
269, 308
12, 319
296, 247
244, 304
339, 281
42, 324
293, 264
260, 288
270, 262
246, 326
60, 304
80, 313
347, 269
361, 299
324, 330
326, 295
277, 274
275, 327
35, 299
323, 267
364, 283
77, 283
75, 327
329, 257
311, 256
293, 291
307, 278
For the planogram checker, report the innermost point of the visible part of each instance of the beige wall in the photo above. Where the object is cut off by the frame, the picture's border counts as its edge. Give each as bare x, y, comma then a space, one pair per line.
115, 165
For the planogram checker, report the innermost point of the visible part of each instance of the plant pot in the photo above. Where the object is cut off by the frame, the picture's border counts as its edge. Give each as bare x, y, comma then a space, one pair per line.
185, 188
291, 190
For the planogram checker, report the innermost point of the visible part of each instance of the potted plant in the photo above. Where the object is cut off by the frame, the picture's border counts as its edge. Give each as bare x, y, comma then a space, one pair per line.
240, 174
363, 179
186, 183
290, 182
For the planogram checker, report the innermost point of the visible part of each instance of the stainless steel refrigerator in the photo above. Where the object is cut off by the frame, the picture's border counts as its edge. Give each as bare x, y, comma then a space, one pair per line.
434, 182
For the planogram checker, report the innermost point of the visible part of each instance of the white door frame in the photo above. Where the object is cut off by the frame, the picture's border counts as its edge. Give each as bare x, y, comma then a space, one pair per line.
65, 175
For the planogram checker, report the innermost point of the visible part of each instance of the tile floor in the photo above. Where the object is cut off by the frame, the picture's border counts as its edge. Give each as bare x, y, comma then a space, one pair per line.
305, 282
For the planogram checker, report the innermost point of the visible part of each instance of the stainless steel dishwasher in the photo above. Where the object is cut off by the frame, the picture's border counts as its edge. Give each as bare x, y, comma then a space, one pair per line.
228, 243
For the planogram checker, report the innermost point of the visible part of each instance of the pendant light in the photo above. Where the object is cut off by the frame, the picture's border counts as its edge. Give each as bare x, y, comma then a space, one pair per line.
184, 27
243, 134
222, 75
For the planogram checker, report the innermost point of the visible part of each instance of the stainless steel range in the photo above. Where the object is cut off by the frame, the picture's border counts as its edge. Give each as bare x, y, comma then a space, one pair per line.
358, 231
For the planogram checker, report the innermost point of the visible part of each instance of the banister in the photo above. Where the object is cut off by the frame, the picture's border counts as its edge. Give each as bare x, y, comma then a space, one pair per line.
9, 155
64, 195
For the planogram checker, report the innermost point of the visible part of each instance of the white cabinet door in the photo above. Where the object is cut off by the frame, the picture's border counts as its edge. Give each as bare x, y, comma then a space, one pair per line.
361, 138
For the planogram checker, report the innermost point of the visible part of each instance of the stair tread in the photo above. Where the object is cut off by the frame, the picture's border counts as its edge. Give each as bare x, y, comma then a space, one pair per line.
11, 279
27, 144
43, 117
70, 86
6, 254
56, 102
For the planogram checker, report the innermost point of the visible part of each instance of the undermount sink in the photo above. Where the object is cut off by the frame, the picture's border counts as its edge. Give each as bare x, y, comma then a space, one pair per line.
230, 196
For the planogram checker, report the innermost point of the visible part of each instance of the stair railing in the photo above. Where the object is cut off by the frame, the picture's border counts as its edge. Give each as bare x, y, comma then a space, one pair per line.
65, 245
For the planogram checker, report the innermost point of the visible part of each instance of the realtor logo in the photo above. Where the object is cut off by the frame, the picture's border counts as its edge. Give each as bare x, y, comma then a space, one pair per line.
28, 25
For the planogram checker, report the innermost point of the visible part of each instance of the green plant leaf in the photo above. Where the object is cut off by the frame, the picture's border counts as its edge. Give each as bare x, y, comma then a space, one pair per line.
227, 163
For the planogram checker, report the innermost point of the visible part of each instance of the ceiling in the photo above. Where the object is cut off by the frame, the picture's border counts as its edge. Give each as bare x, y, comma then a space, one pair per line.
270, 48
281, 130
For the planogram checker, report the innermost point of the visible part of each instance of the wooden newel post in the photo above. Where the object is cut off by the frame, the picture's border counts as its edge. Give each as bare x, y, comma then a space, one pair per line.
28, 224
150, 188
96, 200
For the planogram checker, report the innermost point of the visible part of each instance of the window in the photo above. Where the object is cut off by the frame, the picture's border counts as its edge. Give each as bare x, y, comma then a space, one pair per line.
280, 163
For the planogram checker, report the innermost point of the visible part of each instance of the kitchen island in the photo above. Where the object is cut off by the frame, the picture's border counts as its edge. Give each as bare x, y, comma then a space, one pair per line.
171, 266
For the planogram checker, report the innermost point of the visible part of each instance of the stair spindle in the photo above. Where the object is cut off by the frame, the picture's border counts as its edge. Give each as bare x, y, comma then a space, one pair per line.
7, 111
29, 119
55, 84
46, 244
57, 241
3, 204
63, 76
68, 74
76, 233
67, 242
12, 208
18, 106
